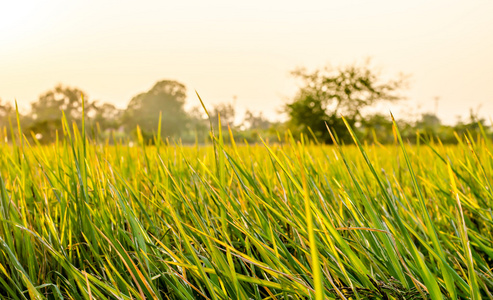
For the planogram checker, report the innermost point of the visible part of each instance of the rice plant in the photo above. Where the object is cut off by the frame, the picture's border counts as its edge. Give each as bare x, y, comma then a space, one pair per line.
282, 220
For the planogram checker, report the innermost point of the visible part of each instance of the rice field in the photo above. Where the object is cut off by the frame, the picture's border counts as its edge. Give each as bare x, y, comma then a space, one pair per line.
280, 220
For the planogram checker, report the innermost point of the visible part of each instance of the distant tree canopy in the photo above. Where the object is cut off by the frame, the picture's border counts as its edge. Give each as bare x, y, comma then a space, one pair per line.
323, 97
46, 113
107, 117
51, 104
328, 93
225, 111
256, 121
167, 97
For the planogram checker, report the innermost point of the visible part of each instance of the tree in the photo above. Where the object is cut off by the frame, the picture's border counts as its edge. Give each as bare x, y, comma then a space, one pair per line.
377, 128
429, 124
256, 121
226, 111
328, 93
107, 116
167, 97
47, 112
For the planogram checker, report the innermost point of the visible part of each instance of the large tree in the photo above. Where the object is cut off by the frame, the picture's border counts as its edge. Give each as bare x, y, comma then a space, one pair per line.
46, 113
62, 98
167, 97
329, 93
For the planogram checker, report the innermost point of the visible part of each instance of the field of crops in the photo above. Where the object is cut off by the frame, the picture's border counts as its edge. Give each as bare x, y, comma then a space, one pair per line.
284, 220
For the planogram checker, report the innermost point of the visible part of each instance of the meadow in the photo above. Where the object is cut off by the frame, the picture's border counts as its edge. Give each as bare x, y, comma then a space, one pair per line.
81, 219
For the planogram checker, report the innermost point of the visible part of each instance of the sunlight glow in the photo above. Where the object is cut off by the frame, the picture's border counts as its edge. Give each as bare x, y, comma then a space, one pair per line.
115, 50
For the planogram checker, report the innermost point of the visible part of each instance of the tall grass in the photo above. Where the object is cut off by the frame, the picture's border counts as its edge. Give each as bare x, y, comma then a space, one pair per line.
284, 220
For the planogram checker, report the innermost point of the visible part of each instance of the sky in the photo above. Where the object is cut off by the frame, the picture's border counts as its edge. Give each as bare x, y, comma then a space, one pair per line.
228, 50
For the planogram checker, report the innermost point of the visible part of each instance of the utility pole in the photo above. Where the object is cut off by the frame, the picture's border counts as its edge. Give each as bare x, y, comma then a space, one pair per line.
436, 99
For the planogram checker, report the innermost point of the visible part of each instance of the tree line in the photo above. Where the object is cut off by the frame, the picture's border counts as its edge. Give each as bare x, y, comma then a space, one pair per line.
163, 104
322, 98
351, 91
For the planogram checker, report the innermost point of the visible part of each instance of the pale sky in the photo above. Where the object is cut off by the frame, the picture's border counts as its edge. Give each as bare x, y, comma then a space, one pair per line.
114, 50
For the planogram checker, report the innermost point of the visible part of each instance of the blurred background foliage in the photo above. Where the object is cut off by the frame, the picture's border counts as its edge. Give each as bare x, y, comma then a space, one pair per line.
322, 98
